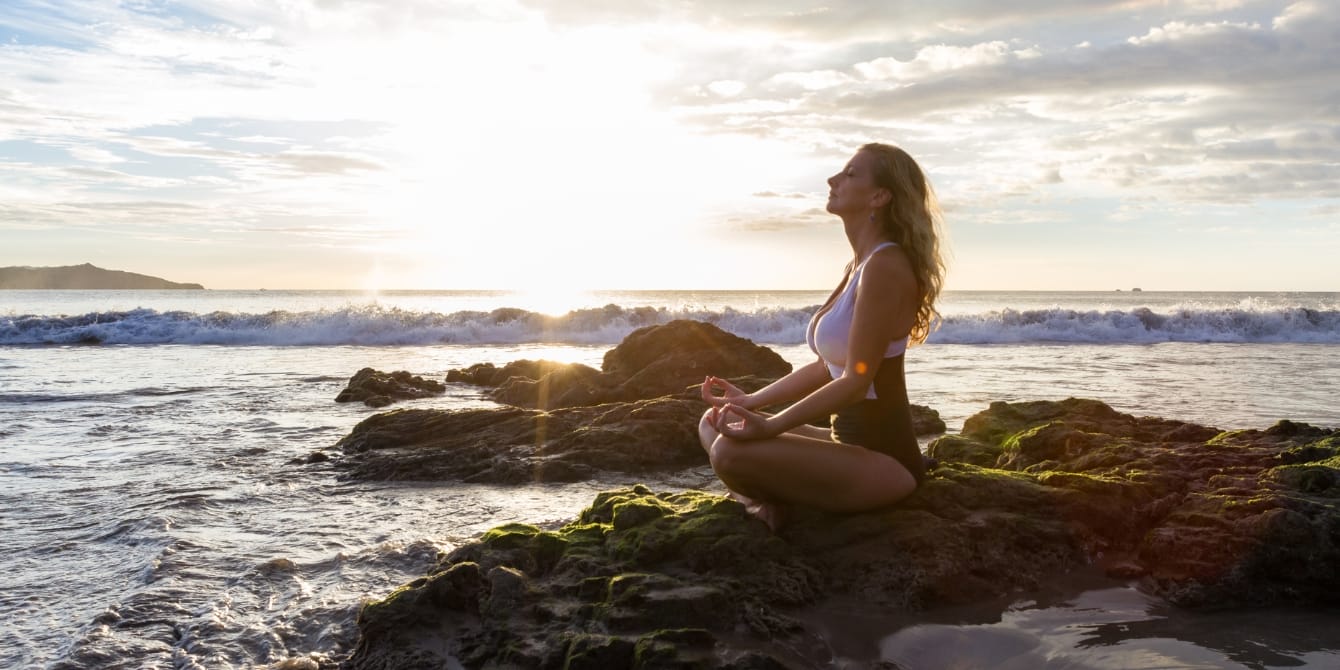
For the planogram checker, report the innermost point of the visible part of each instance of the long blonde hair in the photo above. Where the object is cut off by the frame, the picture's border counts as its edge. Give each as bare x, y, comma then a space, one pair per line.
913, 220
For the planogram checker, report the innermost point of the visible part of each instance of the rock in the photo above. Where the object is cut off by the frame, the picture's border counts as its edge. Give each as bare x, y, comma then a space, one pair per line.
926, 421
651, 362
1210, 517
379, 389
660, 360
1203, 517
511, 445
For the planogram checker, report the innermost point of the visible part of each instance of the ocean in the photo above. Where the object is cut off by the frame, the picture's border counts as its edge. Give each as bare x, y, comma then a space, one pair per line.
152, 519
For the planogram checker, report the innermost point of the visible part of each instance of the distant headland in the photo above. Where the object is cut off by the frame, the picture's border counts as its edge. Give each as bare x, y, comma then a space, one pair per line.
82, 277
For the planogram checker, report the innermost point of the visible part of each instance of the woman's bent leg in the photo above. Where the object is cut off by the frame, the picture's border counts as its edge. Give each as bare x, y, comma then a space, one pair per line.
809, 471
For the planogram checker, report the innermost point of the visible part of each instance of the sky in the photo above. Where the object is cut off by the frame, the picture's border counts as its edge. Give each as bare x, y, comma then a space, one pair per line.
668, 144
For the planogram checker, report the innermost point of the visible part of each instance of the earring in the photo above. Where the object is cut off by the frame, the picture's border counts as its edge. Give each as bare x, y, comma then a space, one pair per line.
872, 216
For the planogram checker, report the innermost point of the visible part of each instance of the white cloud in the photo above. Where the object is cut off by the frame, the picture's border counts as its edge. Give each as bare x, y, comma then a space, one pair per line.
1178, 30
817, 80
90, 154
726, 88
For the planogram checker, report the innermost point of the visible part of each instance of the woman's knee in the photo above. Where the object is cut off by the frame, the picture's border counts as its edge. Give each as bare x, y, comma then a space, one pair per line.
728, 456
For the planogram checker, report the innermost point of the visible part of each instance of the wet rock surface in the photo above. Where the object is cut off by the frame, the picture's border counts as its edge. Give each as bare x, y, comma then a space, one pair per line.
1027, 492
379, 389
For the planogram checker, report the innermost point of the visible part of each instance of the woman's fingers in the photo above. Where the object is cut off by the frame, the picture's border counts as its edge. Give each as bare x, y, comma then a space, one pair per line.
733, 428
722, 418
710, 386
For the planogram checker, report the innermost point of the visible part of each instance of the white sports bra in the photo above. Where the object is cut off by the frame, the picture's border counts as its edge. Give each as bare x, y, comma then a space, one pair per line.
829, 329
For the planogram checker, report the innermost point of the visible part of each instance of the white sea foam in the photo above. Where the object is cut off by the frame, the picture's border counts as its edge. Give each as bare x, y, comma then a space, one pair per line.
1143, 326
382, 326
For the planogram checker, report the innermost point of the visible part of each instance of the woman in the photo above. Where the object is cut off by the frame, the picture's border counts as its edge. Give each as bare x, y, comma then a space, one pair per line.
870, 458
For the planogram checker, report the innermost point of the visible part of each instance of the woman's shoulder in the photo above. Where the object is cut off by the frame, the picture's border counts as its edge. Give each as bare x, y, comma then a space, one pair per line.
888, 267
889, 258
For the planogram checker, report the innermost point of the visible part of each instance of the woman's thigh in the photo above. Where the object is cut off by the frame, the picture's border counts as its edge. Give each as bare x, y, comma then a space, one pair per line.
810, 471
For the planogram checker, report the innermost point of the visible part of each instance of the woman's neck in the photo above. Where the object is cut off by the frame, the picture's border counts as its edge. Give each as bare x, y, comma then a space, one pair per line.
863, 235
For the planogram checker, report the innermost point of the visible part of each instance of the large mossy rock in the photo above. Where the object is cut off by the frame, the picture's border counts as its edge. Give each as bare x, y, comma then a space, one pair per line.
1027, 493
650, 362
1205, 516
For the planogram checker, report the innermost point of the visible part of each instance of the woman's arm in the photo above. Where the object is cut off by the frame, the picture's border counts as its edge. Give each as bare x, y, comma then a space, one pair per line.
796, 384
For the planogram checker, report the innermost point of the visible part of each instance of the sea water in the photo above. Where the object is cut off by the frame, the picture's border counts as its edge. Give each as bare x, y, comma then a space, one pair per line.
150, 516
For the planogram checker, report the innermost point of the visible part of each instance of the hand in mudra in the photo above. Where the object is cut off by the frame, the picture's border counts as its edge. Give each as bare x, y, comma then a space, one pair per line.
730, 393
739, 423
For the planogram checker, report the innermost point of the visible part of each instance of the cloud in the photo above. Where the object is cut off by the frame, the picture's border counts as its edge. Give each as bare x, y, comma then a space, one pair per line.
825, 22
1251, 105
772, 224
327, 162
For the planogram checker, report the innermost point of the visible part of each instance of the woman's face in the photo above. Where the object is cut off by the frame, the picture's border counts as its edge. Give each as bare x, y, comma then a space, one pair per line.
853, 190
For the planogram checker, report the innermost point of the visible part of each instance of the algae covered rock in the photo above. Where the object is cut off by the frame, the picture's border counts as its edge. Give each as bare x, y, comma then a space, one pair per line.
1208, 517
639, 580
689, 579
645, 579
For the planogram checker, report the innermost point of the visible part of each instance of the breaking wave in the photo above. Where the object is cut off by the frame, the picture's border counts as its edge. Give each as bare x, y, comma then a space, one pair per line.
381, 326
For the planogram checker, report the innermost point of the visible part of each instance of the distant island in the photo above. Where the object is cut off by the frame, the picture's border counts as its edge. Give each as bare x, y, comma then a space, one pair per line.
82, 277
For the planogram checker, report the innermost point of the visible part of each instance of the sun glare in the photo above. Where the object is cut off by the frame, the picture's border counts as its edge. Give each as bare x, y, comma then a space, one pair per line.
551, 300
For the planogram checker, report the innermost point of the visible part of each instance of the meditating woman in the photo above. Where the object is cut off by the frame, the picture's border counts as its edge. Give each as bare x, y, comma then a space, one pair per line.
869, 458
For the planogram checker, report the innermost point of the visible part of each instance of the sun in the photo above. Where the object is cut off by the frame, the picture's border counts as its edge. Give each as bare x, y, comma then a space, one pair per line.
553, 300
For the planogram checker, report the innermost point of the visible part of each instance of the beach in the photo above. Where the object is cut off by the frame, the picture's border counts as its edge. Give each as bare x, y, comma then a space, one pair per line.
154, 517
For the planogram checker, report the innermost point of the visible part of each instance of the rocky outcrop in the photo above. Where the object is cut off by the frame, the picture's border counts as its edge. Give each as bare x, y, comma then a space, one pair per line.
82, 277
379, 389
512, 445
1203, 516
649, 363
1027, 492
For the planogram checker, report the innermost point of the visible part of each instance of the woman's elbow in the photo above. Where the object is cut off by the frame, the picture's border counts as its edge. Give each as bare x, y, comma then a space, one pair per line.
855, 385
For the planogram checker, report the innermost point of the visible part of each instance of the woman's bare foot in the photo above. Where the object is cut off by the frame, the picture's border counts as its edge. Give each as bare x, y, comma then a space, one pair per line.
773, 514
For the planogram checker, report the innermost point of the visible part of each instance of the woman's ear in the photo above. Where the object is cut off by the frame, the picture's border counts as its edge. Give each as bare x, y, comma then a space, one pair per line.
882, 197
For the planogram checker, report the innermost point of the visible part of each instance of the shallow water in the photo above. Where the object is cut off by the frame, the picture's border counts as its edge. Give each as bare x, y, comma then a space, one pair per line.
1082, 621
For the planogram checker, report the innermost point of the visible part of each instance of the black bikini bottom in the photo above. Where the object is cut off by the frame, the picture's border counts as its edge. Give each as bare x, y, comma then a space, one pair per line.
884, 427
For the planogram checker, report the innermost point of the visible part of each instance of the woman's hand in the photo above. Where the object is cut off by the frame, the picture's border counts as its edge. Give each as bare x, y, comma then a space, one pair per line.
739, 423
730, 393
